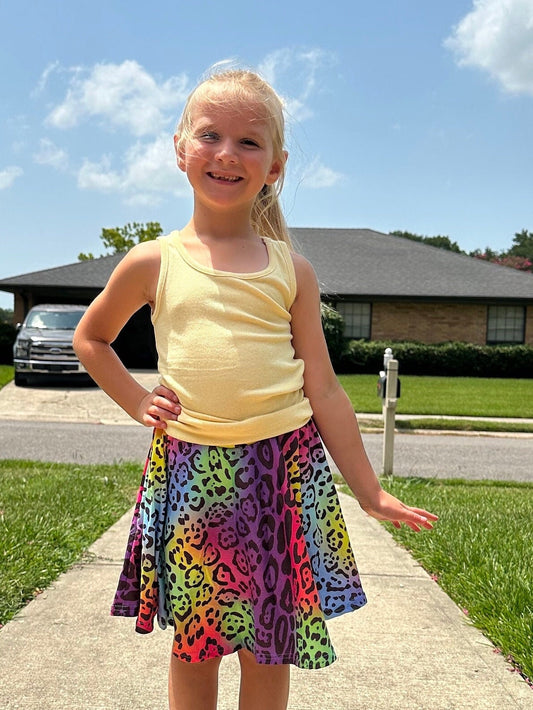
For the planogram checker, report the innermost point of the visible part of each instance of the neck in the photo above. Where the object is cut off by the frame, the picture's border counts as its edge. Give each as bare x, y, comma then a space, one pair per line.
220, 224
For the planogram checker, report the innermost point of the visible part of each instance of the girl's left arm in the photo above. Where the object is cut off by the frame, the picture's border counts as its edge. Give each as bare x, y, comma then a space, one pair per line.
333, 412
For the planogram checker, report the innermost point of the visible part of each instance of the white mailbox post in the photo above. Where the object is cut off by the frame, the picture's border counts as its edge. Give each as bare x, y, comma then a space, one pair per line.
389, 410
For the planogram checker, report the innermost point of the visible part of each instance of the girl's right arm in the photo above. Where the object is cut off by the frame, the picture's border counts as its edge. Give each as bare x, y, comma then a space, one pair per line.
132, 284
333, 412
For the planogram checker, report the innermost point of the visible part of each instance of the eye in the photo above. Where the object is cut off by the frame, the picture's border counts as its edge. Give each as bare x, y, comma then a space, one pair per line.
250, 142
208, 136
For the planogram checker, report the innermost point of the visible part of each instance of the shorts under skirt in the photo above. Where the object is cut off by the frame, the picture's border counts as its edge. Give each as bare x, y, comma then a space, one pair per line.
240, 548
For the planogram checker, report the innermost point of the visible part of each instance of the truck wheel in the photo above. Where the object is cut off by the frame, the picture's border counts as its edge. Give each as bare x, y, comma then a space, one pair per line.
20, 380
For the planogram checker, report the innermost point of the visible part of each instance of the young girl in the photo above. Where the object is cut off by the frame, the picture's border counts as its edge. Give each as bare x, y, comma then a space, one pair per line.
237, 540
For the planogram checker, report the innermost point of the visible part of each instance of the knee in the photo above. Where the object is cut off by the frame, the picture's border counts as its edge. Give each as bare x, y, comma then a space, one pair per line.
204, 669
249, 664
247, 659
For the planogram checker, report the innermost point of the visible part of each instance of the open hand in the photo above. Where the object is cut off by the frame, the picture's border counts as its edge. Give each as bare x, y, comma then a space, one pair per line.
158, 407
387, 507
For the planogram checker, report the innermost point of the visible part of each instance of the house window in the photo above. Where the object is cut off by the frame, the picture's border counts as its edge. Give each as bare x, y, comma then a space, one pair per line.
357, 318
506, 324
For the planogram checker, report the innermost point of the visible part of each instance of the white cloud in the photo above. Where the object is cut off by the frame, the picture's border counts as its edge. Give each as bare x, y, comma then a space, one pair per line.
294, 73
9, 175
122, 96
148, 171
497, 36
317, 176
126, 96
43, 80
50, 154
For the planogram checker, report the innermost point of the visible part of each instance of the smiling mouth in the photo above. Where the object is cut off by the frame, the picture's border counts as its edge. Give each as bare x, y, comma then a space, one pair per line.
224, 178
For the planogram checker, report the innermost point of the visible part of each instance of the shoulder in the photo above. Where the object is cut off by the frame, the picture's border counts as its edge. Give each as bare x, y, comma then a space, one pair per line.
139, 269
141, 257
306, 280
301, 264
145, 251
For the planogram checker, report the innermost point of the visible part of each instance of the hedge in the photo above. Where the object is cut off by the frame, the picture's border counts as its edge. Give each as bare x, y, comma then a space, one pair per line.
451, 359
333, 327
8, 334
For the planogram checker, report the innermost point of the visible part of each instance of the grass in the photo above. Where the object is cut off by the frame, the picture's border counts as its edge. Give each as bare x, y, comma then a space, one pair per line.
455, 396
415, 424
49, 515
6, 374
480, 552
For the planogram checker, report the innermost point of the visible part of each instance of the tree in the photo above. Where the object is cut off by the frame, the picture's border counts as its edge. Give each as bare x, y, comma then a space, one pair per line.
519, 256
121, 239
439, 240
503, 258
6, 315
522, 245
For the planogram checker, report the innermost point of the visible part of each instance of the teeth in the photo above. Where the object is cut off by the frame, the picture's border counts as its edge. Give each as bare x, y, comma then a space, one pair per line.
227, 178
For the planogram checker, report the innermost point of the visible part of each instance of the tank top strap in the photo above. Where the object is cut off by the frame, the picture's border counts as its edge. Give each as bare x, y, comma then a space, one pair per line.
280, 251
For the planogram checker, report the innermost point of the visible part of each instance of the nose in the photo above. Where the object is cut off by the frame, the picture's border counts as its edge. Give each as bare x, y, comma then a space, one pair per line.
226, 152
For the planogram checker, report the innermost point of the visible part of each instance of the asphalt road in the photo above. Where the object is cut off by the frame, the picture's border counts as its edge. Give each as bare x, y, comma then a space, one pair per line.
426, 455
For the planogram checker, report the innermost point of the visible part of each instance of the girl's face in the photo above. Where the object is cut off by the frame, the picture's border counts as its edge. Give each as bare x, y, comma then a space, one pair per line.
229, 155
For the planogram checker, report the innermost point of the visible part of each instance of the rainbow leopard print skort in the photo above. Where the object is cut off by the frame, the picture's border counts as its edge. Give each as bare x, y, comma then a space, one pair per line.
241, 547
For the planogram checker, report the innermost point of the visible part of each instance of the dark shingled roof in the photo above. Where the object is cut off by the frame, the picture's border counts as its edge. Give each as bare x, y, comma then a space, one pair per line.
93, 273
360, 263
365, 263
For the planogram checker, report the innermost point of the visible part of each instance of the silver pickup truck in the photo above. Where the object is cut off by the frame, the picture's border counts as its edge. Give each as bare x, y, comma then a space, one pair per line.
43, 345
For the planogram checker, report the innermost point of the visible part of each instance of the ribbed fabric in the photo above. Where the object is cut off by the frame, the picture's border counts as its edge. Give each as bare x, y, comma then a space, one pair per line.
224, 346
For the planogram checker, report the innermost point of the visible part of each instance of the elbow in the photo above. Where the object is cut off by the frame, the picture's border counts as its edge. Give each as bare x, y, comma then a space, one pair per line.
320, 396
85, 347
77, 344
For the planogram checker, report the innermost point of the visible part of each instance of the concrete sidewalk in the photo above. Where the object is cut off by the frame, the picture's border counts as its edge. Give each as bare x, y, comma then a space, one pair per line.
410, 647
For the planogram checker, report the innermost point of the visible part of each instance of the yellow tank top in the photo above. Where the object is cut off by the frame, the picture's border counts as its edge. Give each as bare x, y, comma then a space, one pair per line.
224, 346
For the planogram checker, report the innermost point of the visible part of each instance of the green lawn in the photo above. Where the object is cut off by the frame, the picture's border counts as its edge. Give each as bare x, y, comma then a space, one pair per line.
455, 396
480, 552
6, 374
49, 515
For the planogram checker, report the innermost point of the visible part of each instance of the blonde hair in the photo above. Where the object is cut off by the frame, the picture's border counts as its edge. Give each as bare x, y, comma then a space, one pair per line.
222, 88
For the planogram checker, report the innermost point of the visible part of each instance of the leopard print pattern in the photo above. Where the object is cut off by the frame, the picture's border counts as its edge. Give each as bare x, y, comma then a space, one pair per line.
241, 547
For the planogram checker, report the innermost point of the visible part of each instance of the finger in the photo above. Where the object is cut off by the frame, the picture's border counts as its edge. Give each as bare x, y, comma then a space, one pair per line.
163, 404
418, 524
166, 393
413, 527
424, 513
161, 413
153, 422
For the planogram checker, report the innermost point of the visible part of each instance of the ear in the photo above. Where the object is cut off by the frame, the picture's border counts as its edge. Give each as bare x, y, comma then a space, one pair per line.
276, 169
180, 153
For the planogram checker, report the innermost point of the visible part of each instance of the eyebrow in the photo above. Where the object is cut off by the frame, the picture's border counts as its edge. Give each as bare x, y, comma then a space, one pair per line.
207, 124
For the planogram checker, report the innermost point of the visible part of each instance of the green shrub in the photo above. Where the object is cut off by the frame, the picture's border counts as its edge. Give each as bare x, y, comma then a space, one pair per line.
453, 359
333, 327
8, 334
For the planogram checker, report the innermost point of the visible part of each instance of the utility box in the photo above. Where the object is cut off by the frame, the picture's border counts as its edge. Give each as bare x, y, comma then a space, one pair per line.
382, 387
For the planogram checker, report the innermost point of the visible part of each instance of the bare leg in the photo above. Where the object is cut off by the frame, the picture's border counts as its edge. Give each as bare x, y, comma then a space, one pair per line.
263, 687
193, 686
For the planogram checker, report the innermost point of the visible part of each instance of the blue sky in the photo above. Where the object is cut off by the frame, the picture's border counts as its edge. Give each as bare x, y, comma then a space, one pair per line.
402, 114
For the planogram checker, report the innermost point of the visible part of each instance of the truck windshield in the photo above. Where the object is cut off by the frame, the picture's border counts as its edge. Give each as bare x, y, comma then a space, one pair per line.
56, 320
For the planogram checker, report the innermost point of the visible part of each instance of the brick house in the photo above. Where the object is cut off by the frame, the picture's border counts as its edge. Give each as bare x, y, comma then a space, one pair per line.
386, 287
391, 288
